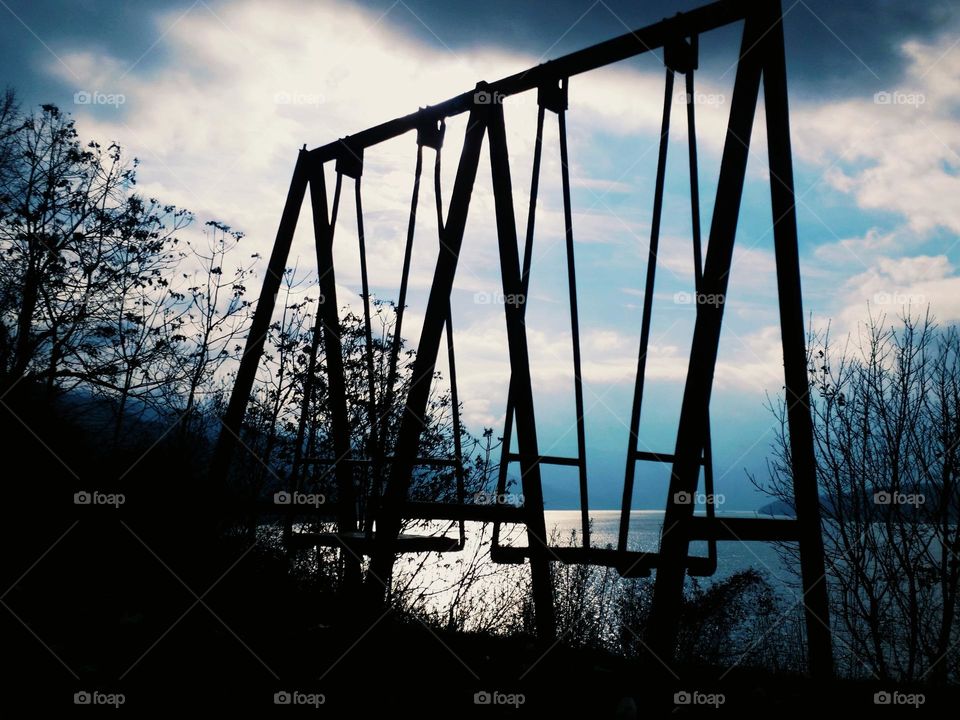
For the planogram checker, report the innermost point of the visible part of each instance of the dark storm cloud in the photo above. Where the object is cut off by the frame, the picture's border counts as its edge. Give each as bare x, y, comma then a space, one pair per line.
833, 47
33, 32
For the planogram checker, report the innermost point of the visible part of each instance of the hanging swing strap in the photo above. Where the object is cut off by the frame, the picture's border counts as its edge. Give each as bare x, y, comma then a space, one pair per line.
350, 163
687, 63
389, 391
432, 134
552, 96
309, 387
524, 285
633, 453
679, 57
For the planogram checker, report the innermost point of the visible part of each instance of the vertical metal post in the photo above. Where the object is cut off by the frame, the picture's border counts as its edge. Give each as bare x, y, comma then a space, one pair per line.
520, 381
812, 569
413, 421
674, 538
253, 348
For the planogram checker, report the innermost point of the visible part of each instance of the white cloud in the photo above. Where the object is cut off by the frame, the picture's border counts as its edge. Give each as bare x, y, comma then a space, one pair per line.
857, 251
896, 151
899, 285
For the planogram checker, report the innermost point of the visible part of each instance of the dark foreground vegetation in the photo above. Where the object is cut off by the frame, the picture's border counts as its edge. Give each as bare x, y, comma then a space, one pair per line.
158, 601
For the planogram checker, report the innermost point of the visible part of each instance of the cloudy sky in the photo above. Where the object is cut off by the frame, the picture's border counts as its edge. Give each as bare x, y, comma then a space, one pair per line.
215, 98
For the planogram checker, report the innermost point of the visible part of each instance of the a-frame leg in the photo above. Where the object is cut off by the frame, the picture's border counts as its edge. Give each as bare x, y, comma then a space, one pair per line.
413, 421
806, 497
521, 389
691, 433
762, 53
328, 316
253, 348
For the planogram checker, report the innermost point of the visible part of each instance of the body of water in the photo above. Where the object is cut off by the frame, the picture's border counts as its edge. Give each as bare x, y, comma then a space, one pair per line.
563, 527
645, 525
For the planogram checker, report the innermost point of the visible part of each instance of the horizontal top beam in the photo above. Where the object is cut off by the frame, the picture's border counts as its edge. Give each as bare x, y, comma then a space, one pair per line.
652, 37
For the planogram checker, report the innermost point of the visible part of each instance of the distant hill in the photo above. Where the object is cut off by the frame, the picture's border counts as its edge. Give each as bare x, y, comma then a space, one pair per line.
878, 511
778, 507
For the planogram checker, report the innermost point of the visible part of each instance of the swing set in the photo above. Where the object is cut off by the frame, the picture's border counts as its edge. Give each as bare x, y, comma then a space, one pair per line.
388, 475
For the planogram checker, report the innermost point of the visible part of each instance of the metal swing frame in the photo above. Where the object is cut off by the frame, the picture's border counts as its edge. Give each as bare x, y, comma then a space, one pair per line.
761, 58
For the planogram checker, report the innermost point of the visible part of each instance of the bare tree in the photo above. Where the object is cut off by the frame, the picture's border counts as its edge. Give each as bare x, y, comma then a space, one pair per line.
131, 346
71, 231
270, 425
216, 316
886, 416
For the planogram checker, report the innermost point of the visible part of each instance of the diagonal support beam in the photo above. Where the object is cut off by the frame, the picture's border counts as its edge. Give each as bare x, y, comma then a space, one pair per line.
328, 317
521, 387
413, 421
253, 349
693, 426
806, 497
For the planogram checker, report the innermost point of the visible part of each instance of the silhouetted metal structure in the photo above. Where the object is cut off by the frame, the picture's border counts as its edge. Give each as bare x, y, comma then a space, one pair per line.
761, 57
